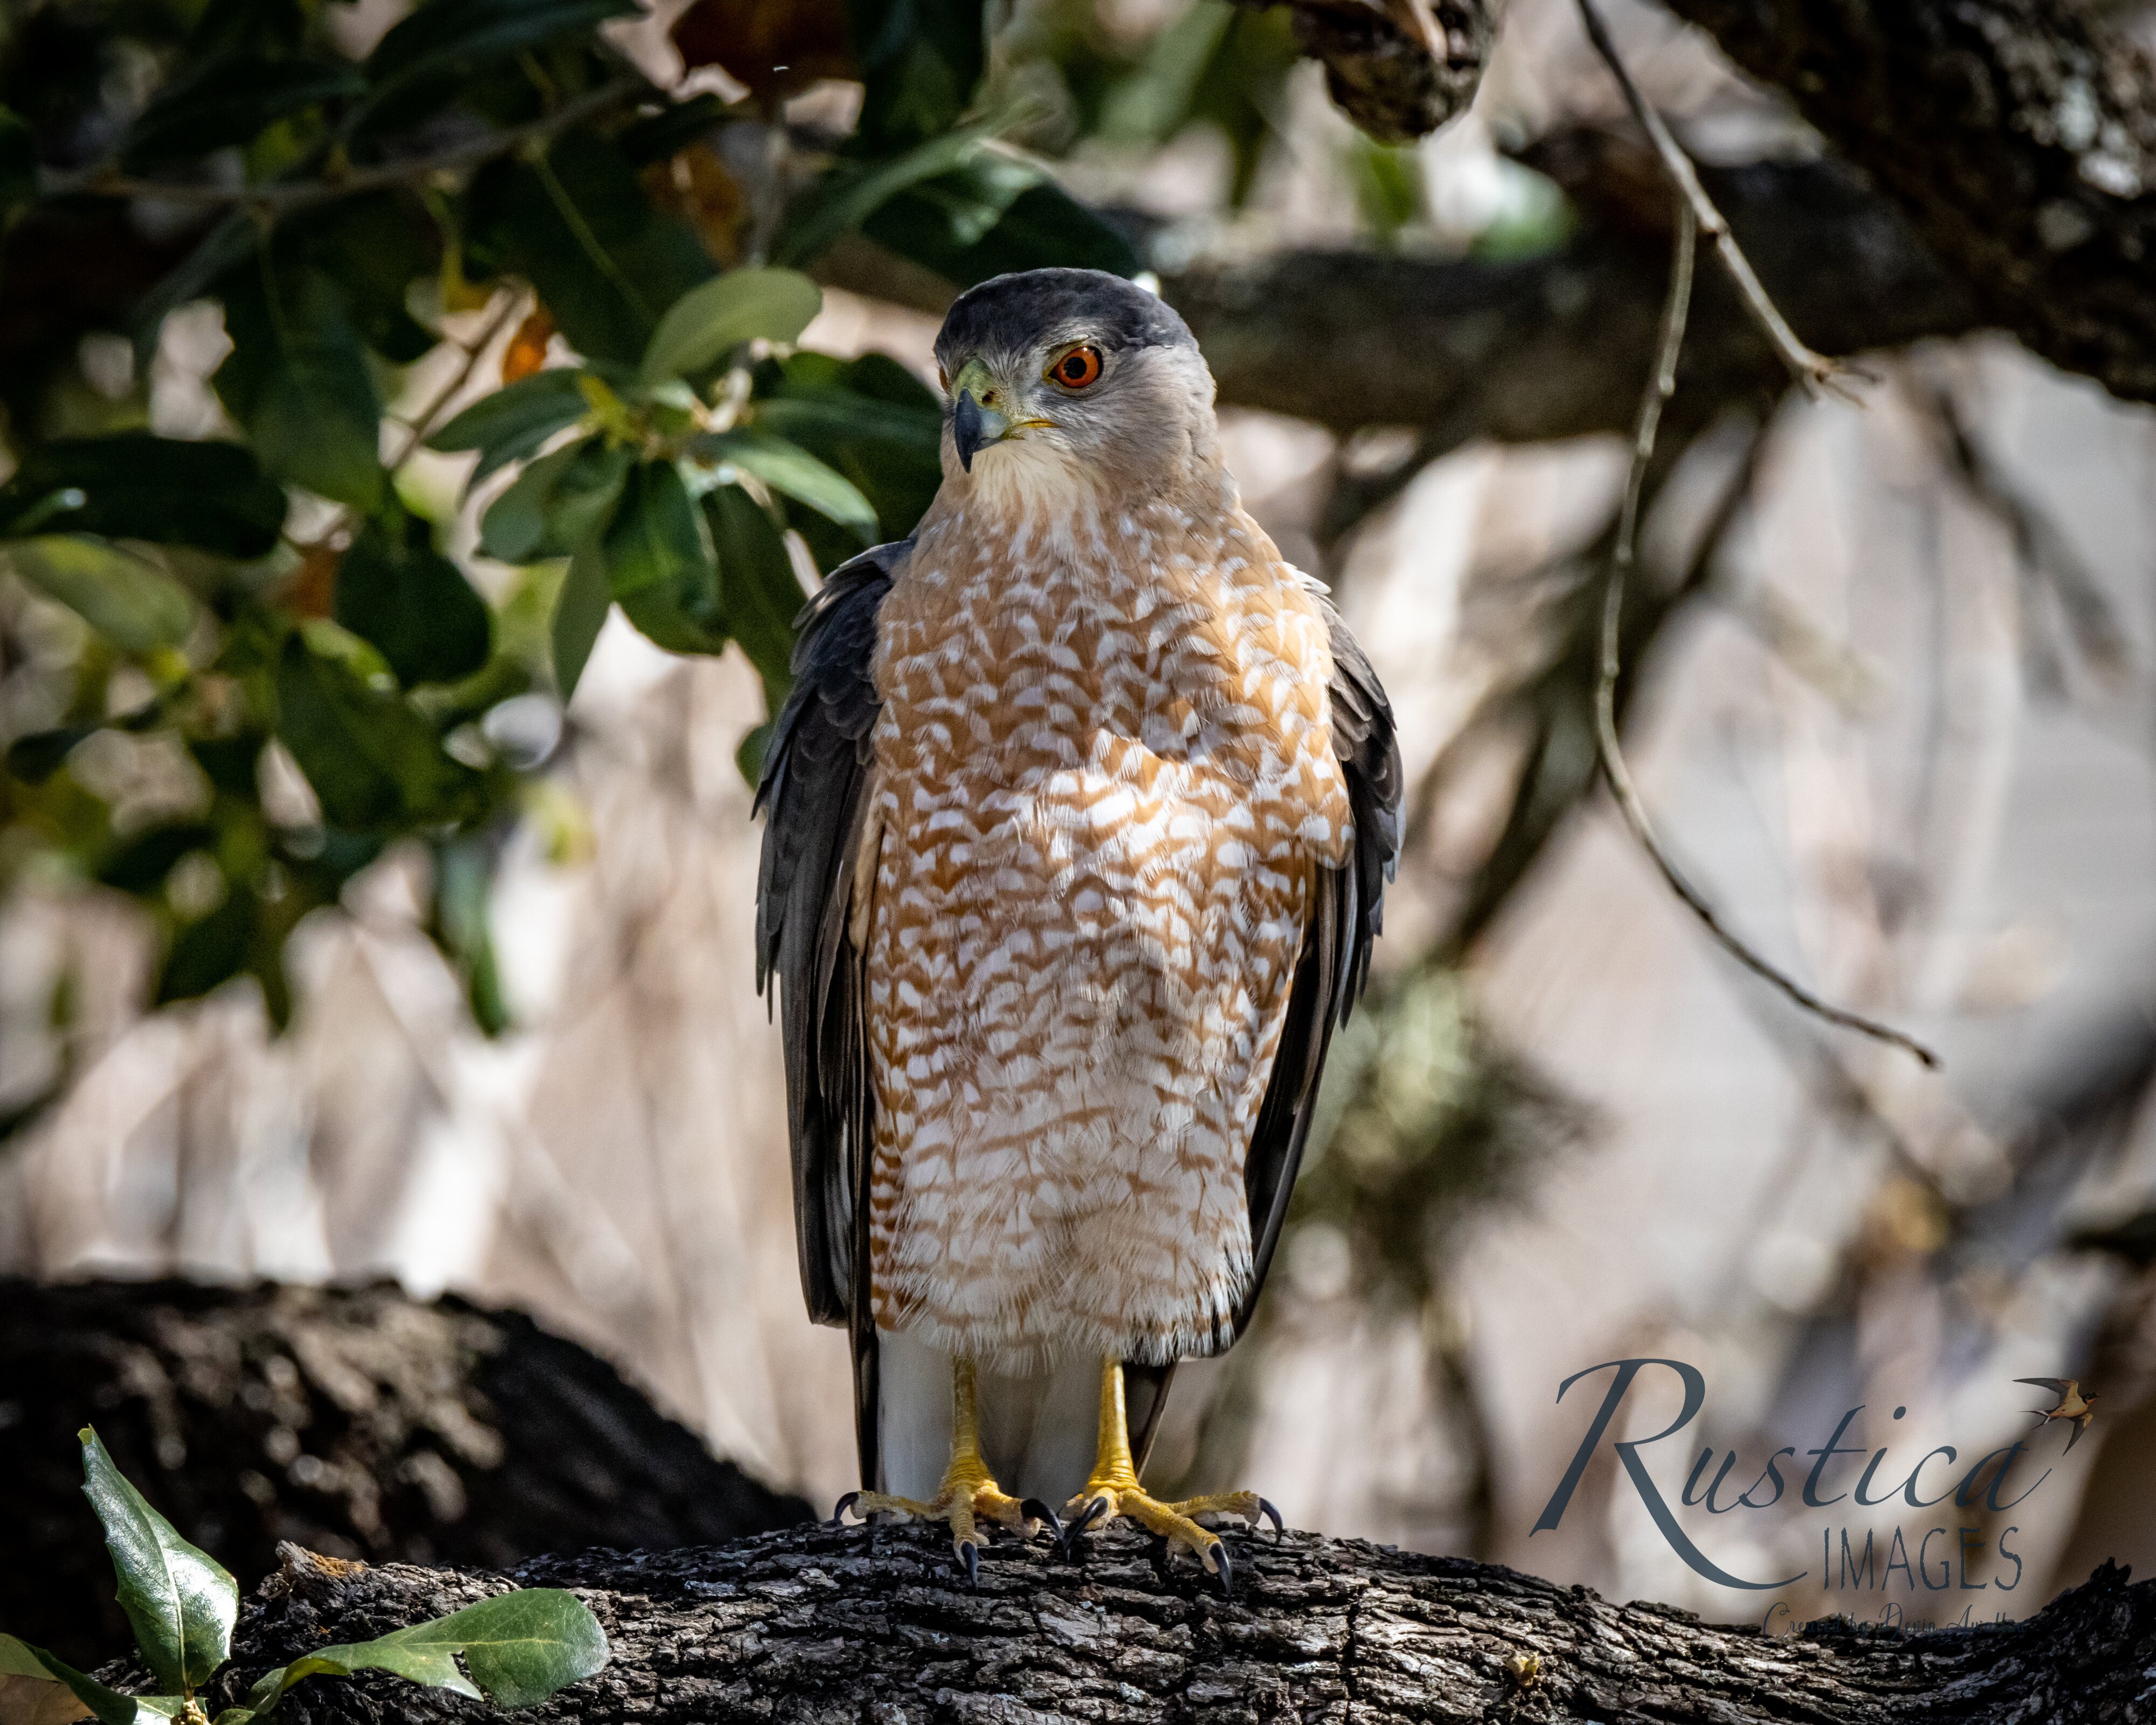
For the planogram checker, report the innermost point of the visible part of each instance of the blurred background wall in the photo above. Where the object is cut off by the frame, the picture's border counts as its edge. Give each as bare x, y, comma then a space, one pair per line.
1898, 721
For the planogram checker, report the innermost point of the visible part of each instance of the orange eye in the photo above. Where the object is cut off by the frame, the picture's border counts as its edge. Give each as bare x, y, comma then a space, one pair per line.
1077, 368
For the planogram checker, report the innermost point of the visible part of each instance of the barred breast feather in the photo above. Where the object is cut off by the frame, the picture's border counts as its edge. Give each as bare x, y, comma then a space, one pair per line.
1104, 778
1076, 851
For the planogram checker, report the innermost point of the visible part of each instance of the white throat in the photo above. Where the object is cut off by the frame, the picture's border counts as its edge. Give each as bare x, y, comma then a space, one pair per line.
1026, 480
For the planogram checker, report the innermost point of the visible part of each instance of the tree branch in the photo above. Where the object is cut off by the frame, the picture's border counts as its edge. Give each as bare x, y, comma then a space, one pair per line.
280, 197
2018, 137
358, 1421
1807, 367
1398, 69
1661, 385
819, 1624
1529, 349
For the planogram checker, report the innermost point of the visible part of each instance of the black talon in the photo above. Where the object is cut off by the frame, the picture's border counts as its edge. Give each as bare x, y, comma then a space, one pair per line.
846, 1503
1039, 1511
1266, 1509
1093, 1511
969, 1554
1224, 1569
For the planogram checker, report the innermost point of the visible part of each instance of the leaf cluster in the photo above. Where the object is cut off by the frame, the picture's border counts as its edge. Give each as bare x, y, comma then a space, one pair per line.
273, 626
518, 1647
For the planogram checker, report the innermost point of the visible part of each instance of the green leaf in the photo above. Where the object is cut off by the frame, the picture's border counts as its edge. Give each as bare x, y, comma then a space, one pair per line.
870, 420
227, 101
210, 952
514, 527
577, 224
463, 884
679, 607
1156, 101
35, 758
1220, 65
213, 495
820, 418
710, 321
134, 604
423, 63
393, 588
142, 865
961, 206
993, 215
921, 60
372, 760
580, 612
792, 472
760, 593
655, 535
520, 1647
297, 379
230, 762
18, 164
227, 245
873, 377
22, 1662
180, 1602
373, 246
555, 503
512, 423
847, 196
224, 25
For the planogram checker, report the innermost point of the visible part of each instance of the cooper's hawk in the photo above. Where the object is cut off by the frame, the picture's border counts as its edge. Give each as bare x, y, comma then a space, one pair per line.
1080, 814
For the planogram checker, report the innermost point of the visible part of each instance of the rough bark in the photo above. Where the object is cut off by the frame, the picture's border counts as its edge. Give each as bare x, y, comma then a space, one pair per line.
1398, 69
1557, 346
360, 1423
2019, 138
1546, 347
814, 1624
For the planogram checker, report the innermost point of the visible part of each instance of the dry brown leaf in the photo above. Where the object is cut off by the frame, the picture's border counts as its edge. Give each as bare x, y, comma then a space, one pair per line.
696, 186
777, 48
25, 1700
310, 592
527, 351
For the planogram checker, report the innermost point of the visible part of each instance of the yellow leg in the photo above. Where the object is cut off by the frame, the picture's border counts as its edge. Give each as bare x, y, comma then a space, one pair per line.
968, 1494
1114, 1491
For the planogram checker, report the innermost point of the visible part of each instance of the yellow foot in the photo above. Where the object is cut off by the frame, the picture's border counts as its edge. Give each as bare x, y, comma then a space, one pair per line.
964, 1502
1107, 1500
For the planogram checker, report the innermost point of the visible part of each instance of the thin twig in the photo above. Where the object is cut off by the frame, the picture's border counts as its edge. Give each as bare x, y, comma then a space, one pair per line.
422, 426
2040, 544
1813, 372
300, 194
1660, 386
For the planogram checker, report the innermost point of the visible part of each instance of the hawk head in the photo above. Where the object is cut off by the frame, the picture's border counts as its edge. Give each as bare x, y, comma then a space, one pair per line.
1064, 382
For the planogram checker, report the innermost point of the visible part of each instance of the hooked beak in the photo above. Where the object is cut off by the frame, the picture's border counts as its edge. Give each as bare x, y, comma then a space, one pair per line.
973, 426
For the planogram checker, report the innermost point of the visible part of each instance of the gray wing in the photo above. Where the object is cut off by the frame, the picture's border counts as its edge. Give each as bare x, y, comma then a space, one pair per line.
2057, 1386
1334, 961
813, 793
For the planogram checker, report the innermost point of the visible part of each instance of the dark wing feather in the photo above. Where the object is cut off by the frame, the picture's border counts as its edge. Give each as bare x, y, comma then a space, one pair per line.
815, 791
1346, 914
